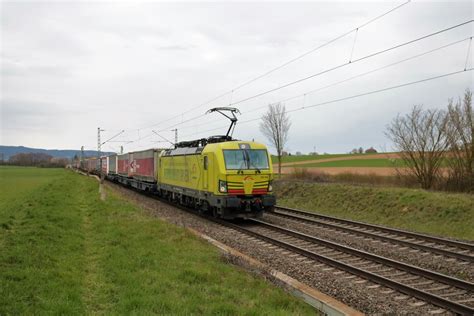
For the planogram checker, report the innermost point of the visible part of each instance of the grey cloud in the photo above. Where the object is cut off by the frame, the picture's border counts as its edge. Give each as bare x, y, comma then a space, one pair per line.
175, 47
122, 64
11, 68
28, 112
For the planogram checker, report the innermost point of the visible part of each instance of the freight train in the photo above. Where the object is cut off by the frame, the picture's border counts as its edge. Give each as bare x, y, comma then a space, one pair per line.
220, 176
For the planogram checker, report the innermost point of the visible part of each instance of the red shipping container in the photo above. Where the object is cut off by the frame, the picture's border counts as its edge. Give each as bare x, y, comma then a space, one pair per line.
142, 165
122, 165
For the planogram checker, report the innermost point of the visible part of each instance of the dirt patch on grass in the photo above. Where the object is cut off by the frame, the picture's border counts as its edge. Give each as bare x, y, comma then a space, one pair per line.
379, 171
351, 157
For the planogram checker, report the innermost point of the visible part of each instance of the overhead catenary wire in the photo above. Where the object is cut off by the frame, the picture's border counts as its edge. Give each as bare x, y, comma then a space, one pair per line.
350, 63
364, 74
116, 135
468, 53
180, 123
350, 78
326, 86
384, 89
164, 129
354, 96
317, 48
292, 60
339, 99
365, 57
164, 138
353, 45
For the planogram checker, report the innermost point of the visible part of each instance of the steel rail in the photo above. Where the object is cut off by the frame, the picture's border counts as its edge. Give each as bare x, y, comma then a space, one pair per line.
406, 289
439, 240
439, 251
366, 255
425, 296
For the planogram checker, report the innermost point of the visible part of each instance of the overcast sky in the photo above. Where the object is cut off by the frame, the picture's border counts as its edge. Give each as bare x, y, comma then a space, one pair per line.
69, 67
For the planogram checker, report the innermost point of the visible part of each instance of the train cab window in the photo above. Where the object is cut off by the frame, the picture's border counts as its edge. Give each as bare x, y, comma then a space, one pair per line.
206, 162
237, 159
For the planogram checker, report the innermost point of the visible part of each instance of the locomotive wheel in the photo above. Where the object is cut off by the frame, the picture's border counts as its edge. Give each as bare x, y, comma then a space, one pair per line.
204, 208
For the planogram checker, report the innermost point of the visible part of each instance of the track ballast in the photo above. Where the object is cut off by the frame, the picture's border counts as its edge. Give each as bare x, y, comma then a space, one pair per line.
446, 292
441, 246
451, 294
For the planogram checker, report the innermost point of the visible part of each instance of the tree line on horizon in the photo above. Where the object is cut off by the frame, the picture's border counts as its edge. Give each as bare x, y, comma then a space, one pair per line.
36, 160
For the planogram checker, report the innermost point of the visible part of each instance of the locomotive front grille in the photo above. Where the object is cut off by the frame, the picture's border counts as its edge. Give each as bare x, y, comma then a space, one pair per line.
247, 187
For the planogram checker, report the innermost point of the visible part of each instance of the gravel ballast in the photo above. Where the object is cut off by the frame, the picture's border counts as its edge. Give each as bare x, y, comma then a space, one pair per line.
449, 266
358, 293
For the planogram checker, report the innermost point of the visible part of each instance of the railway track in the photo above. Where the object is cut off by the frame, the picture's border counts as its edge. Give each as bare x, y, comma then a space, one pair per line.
449, 293
440, 246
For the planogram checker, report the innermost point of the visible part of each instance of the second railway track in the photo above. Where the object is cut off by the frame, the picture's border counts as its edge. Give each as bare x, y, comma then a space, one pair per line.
449, 293
440, 246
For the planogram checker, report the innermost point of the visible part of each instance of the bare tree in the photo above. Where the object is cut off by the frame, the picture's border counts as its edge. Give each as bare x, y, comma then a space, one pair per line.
460, 134
275, 126
30, 159
420, 137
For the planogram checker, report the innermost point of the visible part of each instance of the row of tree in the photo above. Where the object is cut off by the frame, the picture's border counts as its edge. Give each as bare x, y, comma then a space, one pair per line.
361, 150
37, 160
437, 145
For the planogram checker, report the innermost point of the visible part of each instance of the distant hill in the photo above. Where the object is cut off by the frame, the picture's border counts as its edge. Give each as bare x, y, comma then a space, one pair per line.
9, 151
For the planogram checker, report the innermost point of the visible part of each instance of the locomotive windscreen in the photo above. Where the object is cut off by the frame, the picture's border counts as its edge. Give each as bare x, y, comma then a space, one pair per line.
241, 159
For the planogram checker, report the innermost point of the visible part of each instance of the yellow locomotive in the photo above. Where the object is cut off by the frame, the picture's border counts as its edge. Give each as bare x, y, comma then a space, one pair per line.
228, 178
218, 175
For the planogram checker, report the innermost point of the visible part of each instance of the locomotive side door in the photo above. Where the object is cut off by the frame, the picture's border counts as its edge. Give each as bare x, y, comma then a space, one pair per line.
205, 174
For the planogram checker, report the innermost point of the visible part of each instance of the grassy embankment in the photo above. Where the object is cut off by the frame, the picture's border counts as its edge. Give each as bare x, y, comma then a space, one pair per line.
439, 213
64, 251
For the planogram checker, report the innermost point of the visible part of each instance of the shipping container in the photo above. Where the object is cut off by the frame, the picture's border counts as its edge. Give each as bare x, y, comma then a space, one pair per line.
97, 165
82, 164
122, 165
142, 165
104, 164
90, 165
113, 164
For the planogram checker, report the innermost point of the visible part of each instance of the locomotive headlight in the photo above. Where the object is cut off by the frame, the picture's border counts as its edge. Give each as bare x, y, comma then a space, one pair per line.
222, 186
270, 186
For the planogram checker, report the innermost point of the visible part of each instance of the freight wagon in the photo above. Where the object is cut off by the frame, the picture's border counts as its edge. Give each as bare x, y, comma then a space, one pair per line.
112, 165
104, 165
142, 165
122, 165
91, 165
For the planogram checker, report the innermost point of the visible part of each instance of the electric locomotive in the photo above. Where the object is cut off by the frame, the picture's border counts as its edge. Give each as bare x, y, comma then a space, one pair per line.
225, 177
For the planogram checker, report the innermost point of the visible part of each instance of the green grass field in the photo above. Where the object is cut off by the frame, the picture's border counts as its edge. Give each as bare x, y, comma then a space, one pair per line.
294, 158
64, 251
375, 163
439, 213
